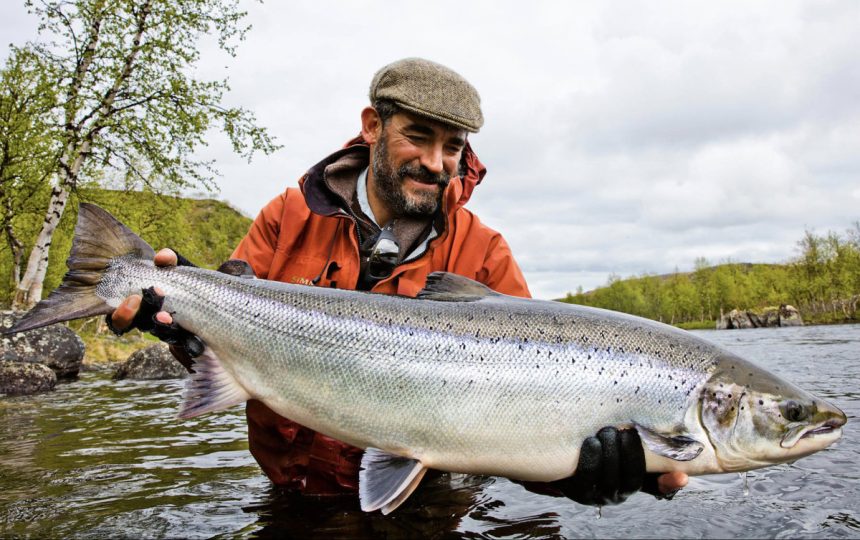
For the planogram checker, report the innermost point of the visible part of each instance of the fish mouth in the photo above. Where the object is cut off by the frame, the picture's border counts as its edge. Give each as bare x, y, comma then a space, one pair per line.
828, 427
831, 429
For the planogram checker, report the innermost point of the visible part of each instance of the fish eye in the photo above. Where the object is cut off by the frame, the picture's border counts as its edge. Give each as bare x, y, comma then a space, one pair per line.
793, 411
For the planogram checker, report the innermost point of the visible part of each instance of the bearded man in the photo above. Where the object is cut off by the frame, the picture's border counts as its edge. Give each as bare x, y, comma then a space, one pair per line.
379, 215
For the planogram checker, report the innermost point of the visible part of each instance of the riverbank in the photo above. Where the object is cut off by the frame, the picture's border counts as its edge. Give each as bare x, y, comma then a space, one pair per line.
103, 349
814, 321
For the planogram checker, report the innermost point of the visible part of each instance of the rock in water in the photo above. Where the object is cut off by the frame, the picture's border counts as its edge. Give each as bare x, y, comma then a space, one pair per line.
55, 346
152, 363
769, 317
789, 316
23, 378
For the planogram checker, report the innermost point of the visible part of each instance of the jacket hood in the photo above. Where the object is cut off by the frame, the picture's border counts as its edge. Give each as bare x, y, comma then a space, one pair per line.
321, 200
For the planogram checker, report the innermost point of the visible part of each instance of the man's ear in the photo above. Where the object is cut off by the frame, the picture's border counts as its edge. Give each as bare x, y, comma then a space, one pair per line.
371, 125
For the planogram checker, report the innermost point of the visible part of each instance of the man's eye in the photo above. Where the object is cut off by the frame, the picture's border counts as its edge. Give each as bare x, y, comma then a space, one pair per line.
417, 138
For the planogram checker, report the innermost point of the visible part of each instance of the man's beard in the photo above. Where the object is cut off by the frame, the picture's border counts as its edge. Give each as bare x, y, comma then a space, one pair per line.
389, 185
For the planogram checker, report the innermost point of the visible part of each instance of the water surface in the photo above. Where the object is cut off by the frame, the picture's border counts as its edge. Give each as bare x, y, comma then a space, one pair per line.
98, 458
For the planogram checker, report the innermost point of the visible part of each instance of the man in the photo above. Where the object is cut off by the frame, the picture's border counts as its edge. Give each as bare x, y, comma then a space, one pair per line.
380, 215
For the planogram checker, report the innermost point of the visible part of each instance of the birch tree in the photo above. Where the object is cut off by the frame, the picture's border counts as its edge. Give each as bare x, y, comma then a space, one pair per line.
129, 100
28, 149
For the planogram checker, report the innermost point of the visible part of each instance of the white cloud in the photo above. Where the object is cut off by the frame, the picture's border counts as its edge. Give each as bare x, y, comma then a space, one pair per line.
620, 137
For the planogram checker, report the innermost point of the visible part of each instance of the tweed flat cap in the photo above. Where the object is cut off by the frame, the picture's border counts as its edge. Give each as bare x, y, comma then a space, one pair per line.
429, 89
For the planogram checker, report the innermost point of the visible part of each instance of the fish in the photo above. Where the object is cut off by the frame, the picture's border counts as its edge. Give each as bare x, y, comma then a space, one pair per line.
460, 379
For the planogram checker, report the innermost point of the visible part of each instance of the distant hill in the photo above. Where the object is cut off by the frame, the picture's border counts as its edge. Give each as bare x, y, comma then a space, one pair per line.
203, 230
824, 283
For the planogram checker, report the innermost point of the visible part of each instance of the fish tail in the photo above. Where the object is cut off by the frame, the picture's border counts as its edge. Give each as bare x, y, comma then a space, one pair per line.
99, 239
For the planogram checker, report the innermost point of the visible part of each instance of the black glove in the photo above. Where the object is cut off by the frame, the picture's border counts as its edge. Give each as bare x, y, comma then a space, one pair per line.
172, 334
611, 468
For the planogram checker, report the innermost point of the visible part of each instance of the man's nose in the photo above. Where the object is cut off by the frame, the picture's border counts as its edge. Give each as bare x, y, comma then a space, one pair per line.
431, 158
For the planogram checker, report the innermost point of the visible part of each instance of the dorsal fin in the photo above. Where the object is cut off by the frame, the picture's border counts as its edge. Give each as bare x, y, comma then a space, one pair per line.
238, 268
446, 287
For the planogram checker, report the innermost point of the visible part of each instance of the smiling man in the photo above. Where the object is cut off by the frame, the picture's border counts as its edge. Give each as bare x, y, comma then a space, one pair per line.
379, 215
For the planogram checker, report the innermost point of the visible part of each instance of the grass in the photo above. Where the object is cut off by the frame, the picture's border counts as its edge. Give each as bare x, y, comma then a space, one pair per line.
103, 348
697, 325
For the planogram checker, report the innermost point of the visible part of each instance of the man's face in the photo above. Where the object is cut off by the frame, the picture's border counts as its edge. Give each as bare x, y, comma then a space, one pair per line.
412, 163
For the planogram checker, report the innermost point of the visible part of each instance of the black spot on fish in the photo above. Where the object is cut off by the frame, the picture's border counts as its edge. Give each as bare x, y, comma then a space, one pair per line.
761, 402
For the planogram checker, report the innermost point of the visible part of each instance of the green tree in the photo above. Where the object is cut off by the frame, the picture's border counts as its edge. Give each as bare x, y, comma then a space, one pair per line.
704, 283
28, 149
128, 99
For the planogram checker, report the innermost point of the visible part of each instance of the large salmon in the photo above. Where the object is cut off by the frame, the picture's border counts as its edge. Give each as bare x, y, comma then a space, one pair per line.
460, 379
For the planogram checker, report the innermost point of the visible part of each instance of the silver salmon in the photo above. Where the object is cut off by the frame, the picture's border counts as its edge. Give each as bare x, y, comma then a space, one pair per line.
461, 379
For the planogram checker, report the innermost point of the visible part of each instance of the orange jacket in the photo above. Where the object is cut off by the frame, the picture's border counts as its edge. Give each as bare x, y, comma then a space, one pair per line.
304, 237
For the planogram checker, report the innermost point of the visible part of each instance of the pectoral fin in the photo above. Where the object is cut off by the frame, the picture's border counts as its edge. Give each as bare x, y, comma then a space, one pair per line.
386, 480
677, 447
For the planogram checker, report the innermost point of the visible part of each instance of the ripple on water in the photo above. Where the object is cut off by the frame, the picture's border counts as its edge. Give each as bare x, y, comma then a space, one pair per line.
99, 458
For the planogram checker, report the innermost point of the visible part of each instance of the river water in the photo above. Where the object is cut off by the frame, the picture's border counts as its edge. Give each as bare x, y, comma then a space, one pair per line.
98, 458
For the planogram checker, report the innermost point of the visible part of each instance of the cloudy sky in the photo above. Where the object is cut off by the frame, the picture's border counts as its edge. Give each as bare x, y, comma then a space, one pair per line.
620, 137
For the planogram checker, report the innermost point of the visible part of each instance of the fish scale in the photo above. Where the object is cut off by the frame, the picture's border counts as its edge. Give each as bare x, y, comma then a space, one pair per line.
461, 379
326, 351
